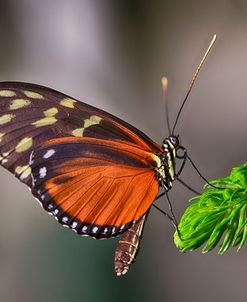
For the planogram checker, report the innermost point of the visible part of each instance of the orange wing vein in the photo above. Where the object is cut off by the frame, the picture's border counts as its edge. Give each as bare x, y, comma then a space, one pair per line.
97, 187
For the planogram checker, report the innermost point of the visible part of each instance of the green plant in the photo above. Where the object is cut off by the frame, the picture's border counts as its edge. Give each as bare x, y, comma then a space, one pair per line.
217, 216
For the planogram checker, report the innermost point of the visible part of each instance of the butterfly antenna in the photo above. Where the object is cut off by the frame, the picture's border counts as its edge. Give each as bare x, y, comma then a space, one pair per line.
193, 81
164, 82
200, 174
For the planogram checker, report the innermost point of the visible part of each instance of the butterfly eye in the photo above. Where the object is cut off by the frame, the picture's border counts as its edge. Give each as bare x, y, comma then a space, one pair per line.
174, 140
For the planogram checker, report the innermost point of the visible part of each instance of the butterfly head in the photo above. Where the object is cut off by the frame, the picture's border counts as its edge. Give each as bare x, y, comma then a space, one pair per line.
172, 142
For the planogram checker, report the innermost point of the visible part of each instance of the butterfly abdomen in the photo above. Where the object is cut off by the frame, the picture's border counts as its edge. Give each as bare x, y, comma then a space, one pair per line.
128, 247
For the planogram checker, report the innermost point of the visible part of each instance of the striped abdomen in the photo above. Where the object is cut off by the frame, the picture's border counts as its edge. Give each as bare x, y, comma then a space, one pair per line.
128, 247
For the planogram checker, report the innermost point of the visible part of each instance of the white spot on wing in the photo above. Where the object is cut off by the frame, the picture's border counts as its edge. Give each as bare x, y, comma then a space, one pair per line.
42, 172
74, 225
65, 219
49, 153
84, 229
105, 230
95, 229
31, 161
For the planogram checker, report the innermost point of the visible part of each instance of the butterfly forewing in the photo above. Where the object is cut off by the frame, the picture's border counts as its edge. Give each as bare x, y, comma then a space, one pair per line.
93, 171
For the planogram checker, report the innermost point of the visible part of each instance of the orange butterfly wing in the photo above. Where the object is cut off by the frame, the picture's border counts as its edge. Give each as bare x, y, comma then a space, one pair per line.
116, 182
97, 187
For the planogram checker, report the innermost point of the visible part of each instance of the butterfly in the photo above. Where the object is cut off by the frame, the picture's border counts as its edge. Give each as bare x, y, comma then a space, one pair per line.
95, 173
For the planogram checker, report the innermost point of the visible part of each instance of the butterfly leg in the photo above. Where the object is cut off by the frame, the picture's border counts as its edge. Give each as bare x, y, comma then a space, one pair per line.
188, 187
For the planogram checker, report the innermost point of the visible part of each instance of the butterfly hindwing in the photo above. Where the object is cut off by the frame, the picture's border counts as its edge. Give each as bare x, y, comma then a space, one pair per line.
97, 187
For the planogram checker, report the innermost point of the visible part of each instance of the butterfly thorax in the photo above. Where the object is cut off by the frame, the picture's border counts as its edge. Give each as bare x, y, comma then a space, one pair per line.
166, 162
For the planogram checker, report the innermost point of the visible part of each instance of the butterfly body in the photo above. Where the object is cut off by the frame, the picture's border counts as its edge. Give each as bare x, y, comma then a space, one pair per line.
97, 174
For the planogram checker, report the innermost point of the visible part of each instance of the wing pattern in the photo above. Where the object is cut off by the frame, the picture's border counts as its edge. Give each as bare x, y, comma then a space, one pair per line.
101, 177
96, 187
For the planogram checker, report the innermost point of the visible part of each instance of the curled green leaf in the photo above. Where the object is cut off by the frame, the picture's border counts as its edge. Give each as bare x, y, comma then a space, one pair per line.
216, 217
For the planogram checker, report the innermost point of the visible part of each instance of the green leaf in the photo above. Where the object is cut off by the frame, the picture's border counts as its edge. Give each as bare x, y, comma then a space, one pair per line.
216, 217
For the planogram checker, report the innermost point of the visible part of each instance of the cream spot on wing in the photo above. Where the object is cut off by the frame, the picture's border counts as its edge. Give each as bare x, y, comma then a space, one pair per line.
1, 136
93, 120
23, 171
46, 121
33, 95
6, 118
26, 173
5, 154
7, 93
19, 103
51, 112
78, 132
68, 102
20, 169
24, 144
49, 118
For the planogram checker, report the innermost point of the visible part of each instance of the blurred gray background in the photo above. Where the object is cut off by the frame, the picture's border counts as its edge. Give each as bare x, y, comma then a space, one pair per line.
112, 54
